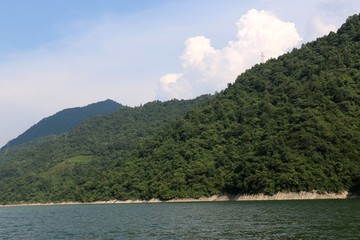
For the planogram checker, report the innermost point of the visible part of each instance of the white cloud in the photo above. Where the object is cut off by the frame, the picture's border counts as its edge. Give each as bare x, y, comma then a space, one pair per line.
168, 84
321, 28
206, 69
121, 56
197, 48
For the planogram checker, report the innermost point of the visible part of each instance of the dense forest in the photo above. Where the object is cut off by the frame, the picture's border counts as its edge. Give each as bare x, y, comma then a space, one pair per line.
65, 120
70, 166
291, 124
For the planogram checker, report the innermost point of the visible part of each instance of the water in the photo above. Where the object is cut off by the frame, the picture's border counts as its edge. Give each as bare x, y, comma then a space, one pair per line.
320, 219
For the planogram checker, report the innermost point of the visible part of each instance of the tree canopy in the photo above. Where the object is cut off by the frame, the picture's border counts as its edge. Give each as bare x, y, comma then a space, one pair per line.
291, 124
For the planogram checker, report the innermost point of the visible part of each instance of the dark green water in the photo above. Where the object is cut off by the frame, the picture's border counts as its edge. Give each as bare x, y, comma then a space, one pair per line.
320, 219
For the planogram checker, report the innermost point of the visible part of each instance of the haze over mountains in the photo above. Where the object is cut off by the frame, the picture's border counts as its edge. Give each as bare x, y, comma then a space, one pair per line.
291, 124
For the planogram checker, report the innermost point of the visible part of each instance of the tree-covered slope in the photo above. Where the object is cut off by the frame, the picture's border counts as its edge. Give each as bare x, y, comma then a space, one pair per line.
75, 166
292, 124
65, 120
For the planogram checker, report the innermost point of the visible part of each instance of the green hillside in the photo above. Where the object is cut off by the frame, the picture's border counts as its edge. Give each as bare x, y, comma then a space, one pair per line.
291, 124
65, 120
75, 165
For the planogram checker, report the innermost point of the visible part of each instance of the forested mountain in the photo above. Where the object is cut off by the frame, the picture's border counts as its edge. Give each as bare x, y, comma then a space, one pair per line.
291, 124
70, 166
65, 120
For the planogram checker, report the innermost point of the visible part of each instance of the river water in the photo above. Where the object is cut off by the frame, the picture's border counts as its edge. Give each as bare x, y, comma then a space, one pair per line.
313, 219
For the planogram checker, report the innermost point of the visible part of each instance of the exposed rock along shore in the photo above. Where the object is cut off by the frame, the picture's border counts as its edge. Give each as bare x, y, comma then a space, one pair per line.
216, 198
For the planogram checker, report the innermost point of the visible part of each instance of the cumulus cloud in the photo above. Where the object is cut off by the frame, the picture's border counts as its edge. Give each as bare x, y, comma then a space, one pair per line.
169, 82
321, 28
206, 69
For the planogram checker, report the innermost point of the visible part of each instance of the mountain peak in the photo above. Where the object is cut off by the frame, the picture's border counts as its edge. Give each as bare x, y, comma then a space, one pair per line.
66, 120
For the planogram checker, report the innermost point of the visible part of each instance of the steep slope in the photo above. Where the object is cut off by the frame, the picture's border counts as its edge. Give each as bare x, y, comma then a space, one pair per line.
292, 124
65, 120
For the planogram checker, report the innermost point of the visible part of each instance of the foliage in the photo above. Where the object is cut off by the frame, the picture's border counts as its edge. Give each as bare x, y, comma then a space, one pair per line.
74, 166
291, 124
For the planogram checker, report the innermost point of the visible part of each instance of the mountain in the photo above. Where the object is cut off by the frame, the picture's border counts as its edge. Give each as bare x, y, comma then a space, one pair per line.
65, 120
291, 124
64, 167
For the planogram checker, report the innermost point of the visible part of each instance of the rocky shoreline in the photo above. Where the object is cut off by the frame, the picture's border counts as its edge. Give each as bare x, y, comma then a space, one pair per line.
216, 198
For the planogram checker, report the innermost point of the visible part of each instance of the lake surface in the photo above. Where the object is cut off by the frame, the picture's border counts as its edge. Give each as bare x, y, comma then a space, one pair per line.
316, 219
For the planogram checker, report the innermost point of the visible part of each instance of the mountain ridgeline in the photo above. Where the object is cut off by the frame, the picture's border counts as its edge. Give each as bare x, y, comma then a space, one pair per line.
73, 166
65, 120
291, 124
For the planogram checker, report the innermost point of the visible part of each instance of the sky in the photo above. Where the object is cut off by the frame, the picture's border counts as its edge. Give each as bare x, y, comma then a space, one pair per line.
68, 53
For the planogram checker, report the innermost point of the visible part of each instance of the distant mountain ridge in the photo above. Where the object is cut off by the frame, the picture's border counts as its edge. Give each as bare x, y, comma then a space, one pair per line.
65, 121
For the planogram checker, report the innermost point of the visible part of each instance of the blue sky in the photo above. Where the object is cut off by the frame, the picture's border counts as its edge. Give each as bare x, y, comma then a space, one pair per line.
60, 53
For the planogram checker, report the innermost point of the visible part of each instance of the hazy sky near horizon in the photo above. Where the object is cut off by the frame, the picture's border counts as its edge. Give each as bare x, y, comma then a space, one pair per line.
60, 54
